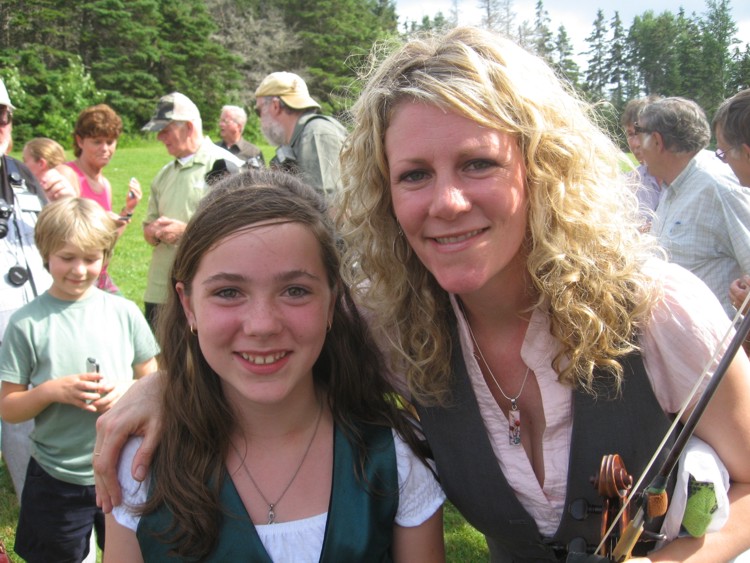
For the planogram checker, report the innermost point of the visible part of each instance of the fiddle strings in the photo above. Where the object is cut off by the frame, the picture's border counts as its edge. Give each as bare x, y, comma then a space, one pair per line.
711, 362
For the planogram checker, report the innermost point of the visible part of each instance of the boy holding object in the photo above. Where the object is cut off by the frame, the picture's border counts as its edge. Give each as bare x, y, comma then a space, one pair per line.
47, 345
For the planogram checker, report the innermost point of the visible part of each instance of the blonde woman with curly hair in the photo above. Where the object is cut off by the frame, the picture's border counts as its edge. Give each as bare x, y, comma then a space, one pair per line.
491, 240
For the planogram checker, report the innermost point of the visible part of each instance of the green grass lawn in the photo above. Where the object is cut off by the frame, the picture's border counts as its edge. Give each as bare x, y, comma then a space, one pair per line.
128, 268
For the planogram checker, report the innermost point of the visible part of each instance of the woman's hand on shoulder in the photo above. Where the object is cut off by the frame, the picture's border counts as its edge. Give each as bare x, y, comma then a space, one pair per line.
137, 412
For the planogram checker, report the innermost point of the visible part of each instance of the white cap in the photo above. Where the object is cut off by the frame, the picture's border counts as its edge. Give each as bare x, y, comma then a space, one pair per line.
4, 98
172, 107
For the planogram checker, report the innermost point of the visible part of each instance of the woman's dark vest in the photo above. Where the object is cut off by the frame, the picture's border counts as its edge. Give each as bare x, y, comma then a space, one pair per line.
631, 425
361, 513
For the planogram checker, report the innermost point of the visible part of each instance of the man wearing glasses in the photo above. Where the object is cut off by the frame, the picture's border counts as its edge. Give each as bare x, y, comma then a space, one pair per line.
308, 143
231, 125
703, 217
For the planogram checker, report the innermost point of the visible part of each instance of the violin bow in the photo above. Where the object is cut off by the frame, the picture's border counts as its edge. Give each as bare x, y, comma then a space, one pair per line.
654, 493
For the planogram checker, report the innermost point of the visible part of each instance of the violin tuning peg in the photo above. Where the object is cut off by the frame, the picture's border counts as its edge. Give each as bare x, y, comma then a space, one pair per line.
580, 509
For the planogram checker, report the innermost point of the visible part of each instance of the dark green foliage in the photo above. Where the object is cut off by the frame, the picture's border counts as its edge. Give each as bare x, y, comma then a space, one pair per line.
739, 78
616, 65
119, 43
335, 35
544, 45
128, 53
60, 56
597, 75
189, 61
48, 96
563, 61
717, 37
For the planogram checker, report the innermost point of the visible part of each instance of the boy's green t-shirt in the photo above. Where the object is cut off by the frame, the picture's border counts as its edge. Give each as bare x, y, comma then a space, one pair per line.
49, 339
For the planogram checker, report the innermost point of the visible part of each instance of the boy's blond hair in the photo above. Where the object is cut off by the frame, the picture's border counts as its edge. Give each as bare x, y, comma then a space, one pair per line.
78, 221
49, 150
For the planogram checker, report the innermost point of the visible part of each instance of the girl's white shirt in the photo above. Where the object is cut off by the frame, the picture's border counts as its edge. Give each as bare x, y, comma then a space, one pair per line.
301, 541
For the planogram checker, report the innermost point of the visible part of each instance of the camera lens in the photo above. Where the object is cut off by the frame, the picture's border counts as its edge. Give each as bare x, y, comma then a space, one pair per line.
5, 212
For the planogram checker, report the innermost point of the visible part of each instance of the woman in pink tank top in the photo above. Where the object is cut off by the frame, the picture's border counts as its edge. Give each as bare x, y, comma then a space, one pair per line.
94, 143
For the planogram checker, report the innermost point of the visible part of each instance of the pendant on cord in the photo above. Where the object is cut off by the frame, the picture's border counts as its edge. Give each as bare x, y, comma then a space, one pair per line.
514, 424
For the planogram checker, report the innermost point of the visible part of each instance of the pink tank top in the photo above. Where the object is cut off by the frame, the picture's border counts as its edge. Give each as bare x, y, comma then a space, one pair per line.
104, 198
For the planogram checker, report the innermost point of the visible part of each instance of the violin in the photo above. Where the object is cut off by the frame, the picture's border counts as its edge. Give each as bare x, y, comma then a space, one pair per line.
621, 531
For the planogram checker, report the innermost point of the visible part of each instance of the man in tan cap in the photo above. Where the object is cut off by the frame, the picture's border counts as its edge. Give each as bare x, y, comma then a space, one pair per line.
177, 188
308, 143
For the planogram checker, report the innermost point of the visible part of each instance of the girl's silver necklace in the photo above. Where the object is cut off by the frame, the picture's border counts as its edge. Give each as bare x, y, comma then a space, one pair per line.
514, 414
272, 505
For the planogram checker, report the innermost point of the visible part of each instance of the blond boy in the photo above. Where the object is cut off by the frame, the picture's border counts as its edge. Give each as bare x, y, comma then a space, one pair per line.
46, 376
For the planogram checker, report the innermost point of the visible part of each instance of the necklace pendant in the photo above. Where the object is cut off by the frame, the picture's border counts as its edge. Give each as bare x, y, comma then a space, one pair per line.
271, 515
514, 425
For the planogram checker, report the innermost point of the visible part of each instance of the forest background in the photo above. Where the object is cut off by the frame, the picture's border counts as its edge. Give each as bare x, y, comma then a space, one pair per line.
58, 57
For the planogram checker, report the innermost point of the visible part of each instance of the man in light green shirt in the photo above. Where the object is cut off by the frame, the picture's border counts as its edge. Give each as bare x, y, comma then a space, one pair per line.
177, 188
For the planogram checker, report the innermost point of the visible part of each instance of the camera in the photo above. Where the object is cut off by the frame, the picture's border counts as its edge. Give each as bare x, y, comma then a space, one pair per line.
6, 211
221, 169
253, 163
285, 160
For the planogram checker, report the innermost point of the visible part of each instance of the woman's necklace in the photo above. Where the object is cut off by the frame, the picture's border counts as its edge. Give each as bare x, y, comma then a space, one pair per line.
514, 414
272, 505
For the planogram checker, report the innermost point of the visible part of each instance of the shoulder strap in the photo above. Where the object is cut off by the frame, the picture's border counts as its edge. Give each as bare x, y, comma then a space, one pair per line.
9, 168
304, 120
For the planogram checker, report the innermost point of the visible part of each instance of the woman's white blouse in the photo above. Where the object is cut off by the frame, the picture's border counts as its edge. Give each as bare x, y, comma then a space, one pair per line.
685, 327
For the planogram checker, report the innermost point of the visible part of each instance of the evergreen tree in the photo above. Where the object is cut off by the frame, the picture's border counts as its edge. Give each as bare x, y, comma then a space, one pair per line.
597, 75
492, 14
118, 43
563, 57
739, 78
336, 36
542, 38
616, 64
189, 60
652, 44
717, 37
688, 46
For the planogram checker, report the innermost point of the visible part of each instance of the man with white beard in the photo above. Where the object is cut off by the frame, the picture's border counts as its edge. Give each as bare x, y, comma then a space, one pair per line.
308, 142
